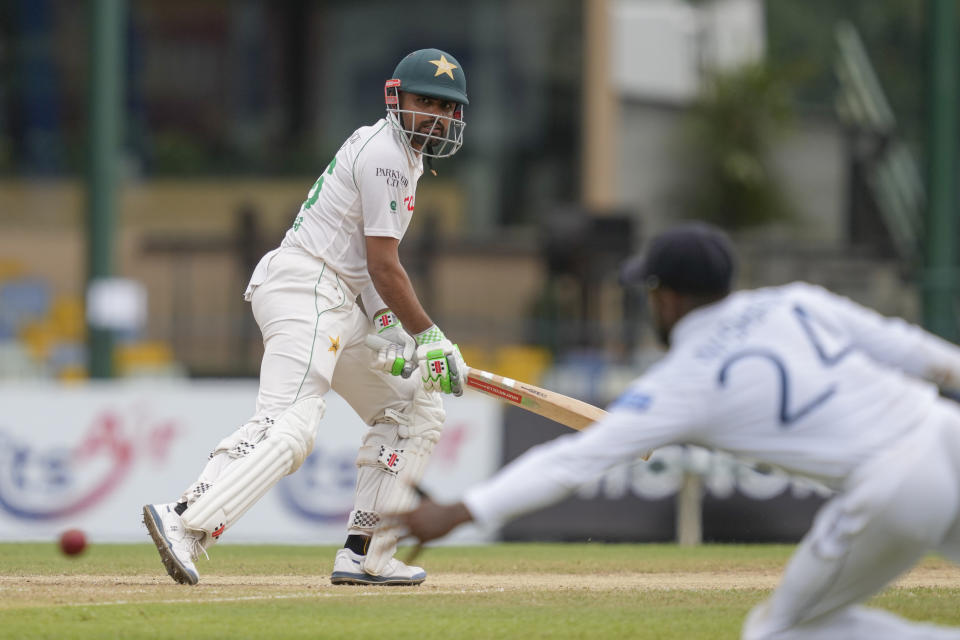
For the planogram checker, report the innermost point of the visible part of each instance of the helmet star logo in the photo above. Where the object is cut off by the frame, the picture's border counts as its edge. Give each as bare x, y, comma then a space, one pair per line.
334, 344
444, 66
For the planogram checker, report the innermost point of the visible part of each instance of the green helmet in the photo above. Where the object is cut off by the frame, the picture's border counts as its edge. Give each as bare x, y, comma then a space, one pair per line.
435, 74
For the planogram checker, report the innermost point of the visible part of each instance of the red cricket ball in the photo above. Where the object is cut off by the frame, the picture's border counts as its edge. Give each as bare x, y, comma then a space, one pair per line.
73, 542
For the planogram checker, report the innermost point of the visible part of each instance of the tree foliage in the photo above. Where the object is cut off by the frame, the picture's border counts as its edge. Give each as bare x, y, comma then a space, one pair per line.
730, 130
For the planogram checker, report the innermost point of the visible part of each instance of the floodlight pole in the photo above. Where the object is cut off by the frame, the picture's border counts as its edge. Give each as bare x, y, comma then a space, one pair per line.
940, 278
107, 18
599, 154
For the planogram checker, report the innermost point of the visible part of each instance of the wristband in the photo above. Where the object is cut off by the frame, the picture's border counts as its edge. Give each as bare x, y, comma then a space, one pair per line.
433, 334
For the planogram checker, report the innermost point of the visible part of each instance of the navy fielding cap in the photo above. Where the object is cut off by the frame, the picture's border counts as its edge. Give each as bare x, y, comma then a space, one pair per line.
692, 258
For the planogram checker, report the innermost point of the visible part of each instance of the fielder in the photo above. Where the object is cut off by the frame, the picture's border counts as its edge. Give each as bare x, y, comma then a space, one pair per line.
335, 278
794, 376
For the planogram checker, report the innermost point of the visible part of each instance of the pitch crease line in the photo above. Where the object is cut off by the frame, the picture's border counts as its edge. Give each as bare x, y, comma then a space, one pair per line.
286, 596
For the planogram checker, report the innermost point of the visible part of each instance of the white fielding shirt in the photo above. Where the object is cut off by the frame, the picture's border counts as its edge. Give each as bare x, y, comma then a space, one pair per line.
794, 376
367, 190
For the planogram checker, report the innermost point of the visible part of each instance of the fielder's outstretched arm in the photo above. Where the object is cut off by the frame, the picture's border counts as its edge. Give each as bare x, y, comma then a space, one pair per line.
543, 475
898, 343
430, 520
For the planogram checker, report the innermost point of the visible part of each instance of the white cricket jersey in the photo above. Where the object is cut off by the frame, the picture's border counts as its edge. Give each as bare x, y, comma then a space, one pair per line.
367, 190
794, 376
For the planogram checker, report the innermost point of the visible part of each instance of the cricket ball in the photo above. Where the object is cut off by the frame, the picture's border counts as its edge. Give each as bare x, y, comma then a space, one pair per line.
73, 542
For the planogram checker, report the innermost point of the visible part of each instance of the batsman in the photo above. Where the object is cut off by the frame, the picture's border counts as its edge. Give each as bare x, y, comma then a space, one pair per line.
335, 278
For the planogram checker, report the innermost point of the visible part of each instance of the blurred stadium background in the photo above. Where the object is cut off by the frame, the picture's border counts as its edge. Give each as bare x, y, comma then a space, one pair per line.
152, 150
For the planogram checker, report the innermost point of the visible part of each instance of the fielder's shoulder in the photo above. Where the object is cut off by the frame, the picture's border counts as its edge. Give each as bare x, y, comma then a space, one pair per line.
809, 292
791, 291
808, 288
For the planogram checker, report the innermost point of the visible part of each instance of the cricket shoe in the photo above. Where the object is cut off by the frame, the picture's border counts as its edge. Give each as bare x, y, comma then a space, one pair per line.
178, 546
348, 569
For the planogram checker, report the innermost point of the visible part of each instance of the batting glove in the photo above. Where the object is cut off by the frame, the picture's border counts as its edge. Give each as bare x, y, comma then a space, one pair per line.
441, 366
398, 347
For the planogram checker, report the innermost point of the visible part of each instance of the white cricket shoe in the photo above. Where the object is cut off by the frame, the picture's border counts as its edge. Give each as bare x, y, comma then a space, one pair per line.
348, 569
178, 546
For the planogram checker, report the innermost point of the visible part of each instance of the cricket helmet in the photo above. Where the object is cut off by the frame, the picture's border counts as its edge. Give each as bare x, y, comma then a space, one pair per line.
693, 258
436, 74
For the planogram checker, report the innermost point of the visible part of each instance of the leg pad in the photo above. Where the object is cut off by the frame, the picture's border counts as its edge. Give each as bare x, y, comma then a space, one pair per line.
283, 449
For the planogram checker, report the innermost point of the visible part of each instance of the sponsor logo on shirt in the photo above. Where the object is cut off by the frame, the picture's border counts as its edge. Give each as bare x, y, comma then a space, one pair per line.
633, 400
394, 178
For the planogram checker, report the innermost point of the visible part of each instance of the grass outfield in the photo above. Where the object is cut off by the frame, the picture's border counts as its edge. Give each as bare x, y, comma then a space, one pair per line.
501, 591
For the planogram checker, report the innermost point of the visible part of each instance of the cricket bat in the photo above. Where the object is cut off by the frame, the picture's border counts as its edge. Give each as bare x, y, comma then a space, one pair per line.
568, 411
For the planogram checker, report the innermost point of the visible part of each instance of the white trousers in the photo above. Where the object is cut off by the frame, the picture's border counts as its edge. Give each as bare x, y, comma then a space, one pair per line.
893, 511
313, 332
313, 338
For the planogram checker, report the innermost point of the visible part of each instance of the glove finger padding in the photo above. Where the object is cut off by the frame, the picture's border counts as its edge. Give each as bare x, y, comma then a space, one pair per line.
441, 367
456, 365
392, 357
397, 348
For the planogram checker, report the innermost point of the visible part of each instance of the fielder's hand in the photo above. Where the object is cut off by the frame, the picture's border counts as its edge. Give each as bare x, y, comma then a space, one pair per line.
441, 366
397, 348
430, 520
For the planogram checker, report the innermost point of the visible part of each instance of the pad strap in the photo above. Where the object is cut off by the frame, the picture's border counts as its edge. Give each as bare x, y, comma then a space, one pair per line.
385, 458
